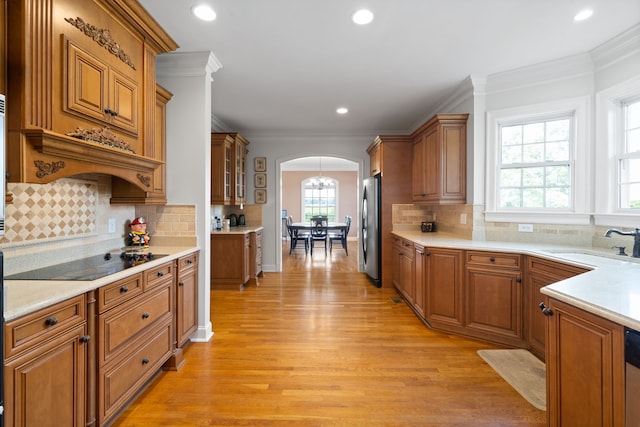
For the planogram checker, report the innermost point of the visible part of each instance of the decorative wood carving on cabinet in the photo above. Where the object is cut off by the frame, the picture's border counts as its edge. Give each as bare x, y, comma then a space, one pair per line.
83, 68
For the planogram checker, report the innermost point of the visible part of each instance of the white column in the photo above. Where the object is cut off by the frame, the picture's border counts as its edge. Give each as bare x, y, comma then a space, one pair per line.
188, 76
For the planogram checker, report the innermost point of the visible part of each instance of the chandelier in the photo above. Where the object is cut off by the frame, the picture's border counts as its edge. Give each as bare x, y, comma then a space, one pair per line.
319, 182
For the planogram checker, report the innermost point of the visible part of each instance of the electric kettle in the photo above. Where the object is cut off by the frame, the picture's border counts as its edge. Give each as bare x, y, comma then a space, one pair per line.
241, 220
233, 220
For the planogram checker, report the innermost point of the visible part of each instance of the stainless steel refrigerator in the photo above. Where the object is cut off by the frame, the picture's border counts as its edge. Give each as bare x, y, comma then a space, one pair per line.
371, 229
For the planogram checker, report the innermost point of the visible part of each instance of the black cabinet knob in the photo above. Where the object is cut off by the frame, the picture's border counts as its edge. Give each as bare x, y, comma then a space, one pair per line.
85, 338
123, 289
189, 262
160, 274
145, 315
50, 321
145, 361
545, 310
519, 280
492, 259
180, 283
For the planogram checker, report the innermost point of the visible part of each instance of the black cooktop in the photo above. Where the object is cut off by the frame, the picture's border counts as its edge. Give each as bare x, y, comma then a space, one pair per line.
90, 268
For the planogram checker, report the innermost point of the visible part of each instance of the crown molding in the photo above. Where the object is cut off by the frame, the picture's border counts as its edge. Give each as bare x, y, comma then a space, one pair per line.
616, 49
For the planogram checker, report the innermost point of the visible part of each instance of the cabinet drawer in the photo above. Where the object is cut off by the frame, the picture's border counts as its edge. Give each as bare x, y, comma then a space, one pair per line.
121, 381
33, 329
187, 262
499, 259
118, 292
158, 275
551, 268
117, 327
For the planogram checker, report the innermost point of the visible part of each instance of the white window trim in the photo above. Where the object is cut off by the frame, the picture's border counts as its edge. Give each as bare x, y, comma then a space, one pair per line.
579, 214
608, 111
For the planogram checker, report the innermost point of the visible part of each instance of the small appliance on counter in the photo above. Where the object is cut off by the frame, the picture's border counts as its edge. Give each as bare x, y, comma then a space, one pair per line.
241, 220
428, 226
233, 220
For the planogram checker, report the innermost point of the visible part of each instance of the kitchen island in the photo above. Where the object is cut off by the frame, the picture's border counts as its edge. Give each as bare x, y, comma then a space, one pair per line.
236, 257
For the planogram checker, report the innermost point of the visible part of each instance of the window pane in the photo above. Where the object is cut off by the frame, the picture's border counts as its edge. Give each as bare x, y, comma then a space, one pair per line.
512, 154
510, 177
510, 198
533, 153
533, 177
557, 151
633, 115
511, 135
557, 198
558, 130
630, 196
533, 132
558, 176
533, 198
633, 140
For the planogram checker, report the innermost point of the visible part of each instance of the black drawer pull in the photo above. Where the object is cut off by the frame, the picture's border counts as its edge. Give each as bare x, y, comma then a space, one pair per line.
189, 262
180, 283
145, 315
123, 289
160, 274
85, 338
50, 321
492, 259
545, 310
145, 361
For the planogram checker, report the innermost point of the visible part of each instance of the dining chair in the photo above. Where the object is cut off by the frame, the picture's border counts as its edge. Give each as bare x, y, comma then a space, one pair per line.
295, 236
319, 233
341, 235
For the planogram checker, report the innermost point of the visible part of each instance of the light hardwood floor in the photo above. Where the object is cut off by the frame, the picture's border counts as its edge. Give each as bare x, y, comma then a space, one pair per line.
318, 345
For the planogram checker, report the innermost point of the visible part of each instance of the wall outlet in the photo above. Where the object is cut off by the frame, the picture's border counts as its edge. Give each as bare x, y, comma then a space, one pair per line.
525, 228
463, 218
112, 225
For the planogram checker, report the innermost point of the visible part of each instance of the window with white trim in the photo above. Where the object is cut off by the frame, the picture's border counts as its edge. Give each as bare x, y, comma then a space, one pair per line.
319, 198
628, 156
535, 162
538, 163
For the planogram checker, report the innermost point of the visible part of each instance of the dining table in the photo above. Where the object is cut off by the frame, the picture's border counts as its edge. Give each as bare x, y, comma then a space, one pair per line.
297, 227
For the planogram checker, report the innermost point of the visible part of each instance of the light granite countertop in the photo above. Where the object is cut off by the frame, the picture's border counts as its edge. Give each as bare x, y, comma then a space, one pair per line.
244, 229
26, 296
611, 289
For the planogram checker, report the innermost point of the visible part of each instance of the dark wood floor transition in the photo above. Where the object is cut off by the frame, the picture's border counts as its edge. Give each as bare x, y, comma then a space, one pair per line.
319, 345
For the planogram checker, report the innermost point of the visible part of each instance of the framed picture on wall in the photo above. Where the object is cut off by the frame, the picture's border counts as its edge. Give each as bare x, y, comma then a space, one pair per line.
260, 164
260, 180
261, 196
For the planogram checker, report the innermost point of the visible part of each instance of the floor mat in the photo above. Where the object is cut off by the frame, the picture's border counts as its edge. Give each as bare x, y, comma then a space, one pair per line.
522, 370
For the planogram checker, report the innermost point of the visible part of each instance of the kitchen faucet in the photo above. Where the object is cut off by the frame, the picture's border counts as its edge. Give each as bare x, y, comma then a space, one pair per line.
636, 239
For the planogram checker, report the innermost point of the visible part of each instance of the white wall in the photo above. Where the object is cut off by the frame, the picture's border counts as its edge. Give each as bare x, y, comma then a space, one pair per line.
188, 77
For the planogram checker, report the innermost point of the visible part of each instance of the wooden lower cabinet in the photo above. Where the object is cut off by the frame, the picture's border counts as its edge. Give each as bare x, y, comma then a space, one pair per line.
135, 336
444, 288
187, 298
230, 260
585, 369
46, 366
539, 273
403, 268
493, 297
255, 267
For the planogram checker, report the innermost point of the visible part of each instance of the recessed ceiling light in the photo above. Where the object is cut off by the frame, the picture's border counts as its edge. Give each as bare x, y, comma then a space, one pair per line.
583, 14
204, 12
362, 17
342, 110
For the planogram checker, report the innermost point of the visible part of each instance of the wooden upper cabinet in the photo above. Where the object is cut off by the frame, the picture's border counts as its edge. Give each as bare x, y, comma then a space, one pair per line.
81, 80
439, 160
375, 157
96, 91
228, 168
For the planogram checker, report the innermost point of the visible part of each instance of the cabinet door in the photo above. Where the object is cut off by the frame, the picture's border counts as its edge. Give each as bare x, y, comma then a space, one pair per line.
419, 279
493, 304
585, 369
375, 158
452, 172
443, 300
123, 102
187, 306
419, 166
47, 386
220, 169
87, 84
240, 172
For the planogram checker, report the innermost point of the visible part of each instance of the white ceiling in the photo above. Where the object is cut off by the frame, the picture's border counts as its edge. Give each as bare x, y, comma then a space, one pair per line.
288, 64
319, 163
